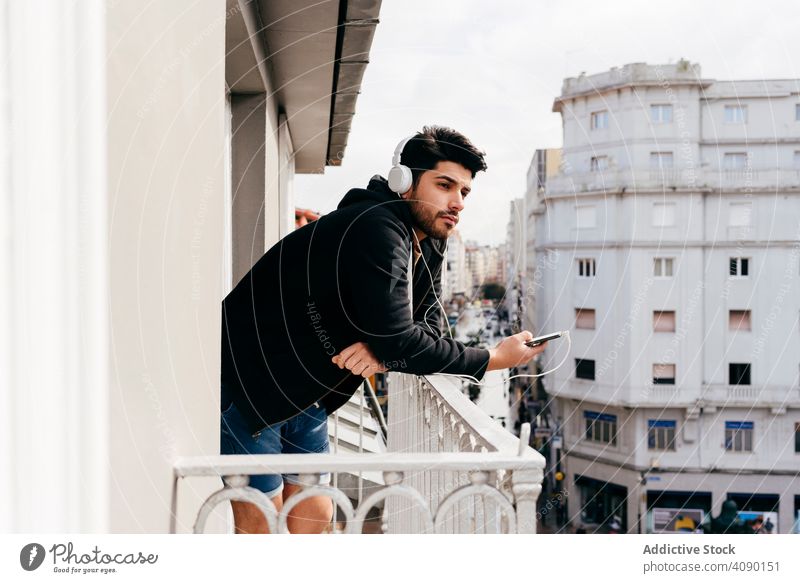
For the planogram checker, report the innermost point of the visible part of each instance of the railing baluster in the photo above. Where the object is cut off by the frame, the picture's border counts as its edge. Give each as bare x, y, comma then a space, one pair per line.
447, 444
427, 415
526, 485
335, 477
416, 481
433, 444
361, 405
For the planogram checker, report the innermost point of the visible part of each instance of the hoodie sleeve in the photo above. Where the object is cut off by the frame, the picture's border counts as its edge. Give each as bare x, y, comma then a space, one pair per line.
374, 262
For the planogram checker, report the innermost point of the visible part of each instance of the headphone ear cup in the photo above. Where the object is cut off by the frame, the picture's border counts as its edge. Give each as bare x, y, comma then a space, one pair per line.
400, 178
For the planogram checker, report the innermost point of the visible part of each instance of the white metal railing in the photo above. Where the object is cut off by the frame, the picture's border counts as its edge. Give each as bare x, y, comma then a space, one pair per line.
612, 179
518, 514
431, 415
748, 177
747, 395
450, 469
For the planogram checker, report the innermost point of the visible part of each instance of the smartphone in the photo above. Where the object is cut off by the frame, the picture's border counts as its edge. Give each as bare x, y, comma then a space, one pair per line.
542, 339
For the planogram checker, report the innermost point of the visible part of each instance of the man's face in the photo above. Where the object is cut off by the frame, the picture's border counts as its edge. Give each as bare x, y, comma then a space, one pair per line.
438, 198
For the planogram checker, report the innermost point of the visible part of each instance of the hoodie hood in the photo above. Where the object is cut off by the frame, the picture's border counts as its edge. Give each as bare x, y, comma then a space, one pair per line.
378, 192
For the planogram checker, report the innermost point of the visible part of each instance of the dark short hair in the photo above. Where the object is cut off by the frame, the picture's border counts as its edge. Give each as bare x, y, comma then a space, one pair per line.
436, 144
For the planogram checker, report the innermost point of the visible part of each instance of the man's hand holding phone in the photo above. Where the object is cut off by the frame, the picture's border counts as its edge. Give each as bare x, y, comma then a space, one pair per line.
513, 351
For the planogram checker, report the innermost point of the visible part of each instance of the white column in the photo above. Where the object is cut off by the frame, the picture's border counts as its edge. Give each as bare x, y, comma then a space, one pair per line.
53, 332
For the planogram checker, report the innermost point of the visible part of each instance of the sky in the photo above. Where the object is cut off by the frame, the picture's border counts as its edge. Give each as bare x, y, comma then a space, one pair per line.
492, 69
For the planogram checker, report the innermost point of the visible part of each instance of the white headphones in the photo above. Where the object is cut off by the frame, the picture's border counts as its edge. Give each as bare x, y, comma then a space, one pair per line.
400, 177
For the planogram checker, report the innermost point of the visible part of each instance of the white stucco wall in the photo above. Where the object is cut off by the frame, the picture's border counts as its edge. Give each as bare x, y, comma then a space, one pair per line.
166, 184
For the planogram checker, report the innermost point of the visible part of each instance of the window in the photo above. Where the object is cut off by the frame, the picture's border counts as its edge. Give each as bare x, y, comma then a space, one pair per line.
739, 373
663, 374
599, 120
734, 160
739, 321
739, 267
584, 369
662, 266
739, 214
661, 160
660, 113
797, 112
663, 214
663, 321
797, 438
586, 268
585, 216
601, 427
660, 434
797, 159
584, 318
739, 435
735, 114
598, 163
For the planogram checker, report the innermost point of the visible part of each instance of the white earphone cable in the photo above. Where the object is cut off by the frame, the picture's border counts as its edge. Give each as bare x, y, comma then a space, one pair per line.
466, 376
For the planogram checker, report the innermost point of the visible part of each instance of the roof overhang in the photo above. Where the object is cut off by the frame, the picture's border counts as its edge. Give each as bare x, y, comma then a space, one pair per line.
313, 56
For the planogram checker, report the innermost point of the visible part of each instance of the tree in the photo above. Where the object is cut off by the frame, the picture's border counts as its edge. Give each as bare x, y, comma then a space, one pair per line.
492, 291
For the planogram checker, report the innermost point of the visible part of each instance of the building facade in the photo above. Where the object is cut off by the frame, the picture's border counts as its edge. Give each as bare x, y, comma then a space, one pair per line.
673, 241
485, 263
515, 263
139, 196
457, 280
544, 164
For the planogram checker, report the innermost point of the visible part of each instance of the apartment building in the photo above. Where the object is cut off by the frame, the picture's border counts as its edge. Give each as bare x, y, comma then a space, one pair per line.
457, 280
544, 164
485, 263
515, 263
673, 252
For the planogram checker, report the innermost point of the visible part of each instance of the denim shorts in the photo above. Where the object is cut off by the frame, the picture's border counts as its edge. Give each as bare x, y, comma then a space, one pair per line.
306, 432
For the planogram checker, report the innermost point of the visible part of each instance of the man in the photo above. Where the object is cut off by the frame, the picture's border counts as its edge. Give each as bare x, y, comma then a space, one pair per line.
330, 304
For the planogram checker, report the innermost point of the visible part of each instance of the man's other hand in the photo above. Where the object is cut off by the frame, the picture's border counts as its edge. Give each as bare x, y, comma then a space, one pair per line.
359, 360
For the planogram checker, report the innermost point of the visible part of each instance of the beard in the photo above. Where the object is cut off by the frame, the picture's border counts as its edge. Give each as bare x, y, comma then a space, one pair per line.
426, 216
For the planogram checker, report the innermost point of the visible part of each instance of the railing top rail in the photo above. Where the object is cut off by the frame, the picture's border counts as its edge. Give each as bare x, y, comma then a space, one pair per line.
311, 463
498, 438
758, 386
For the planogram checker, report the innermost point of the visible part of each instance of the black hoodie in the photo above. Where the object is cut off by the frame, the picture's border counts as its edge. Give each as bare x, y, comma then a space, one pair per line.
339, 280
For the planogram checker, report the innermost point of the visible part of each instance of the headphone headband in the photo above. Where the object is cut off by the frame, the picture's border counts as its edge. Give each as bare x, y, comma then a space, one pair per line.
398, 151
